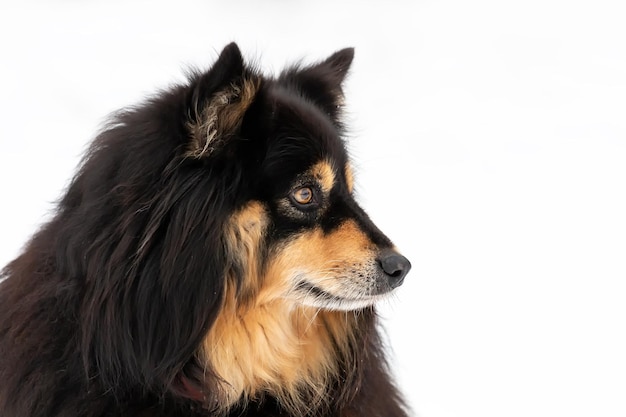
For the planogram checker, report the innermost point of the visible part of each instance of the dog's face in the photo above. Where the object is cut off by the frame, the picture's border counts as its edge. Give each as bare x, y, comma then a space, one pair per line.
321, 248
298, 235
327, 253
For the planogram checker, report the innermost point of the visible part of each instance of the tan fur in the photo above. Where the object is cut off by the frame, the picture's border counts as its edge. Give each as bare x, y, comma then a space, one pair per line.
341, 262
265, 342
221, 117
349, 177
243, 236
324, 173
316, 251
276, 348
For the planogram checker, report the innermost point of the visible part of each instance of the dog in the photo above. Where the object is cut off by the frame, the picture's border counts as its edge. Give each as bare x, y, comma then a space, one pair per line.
208, 258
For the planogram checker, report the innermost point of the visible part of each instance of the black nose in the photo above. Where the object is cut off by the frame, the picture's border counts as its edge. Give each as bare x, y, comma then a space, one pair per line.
395, 266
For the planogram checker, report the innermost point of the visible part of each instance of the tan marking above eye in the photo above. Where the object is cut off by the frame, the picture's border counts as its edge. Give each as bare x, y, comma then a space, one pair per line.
303, 195
323, 172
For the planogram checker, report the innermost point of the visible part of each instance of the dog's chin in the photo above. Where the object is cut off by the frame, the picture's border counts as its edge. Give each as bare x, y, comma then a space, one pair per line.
312, 296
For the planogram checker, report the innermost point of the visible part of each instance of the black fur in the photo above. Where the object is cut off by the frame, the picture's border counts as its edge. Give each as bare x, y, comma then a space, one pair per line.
103, 312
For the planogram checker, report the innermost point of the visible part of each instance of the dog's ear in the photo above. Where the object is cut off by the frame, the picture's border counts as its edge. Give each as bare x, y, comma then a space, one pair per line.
323, 82
334, 68
219, 101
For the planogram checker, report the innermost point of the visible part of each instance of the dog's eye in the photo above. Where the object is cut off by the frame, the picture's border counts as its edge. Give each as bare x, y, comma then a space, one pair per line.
303, 195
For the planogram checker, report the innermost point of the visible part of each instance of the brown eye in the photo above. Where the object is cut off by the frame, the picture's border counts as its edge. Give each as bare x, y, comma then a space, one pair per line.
302, 195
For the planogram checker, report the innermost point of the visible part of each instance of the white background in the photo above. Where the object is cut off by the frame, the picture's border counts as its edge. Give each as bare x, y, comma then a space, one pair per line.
490, 144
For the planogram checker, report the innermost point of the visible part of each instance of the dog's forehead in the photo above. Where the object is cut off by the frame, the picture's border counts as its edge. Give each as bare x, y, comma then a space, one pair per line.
304, 140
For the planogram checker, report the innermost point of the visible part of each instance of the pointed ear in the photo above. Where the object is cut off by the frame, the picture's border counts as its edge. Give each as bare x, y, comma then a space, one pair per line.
219, 101
322, 82
338, 64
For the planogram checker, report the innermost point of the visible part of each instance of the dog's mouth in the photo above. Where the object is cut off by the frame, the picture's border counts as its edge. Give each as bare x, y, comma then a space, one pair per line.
314, 296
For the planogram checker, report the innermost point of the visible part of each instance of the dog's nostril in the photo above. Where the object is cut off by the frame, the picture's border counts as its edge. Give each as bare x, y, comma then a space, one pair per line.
395, 266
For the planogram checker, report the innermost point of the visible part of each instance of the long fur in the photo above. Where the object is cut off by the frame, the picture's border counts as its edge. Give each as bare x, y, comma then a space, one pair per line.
207, 259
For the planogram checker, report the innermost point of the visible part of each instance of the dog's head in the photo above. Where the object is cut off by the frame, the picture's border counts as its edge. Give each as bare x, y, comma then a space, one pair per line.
297, 234
220, 221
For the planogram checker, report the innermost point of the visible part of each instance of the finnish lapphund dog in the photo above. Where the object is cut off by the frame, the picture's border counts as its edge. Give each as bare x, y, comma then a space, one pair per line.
208, 258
